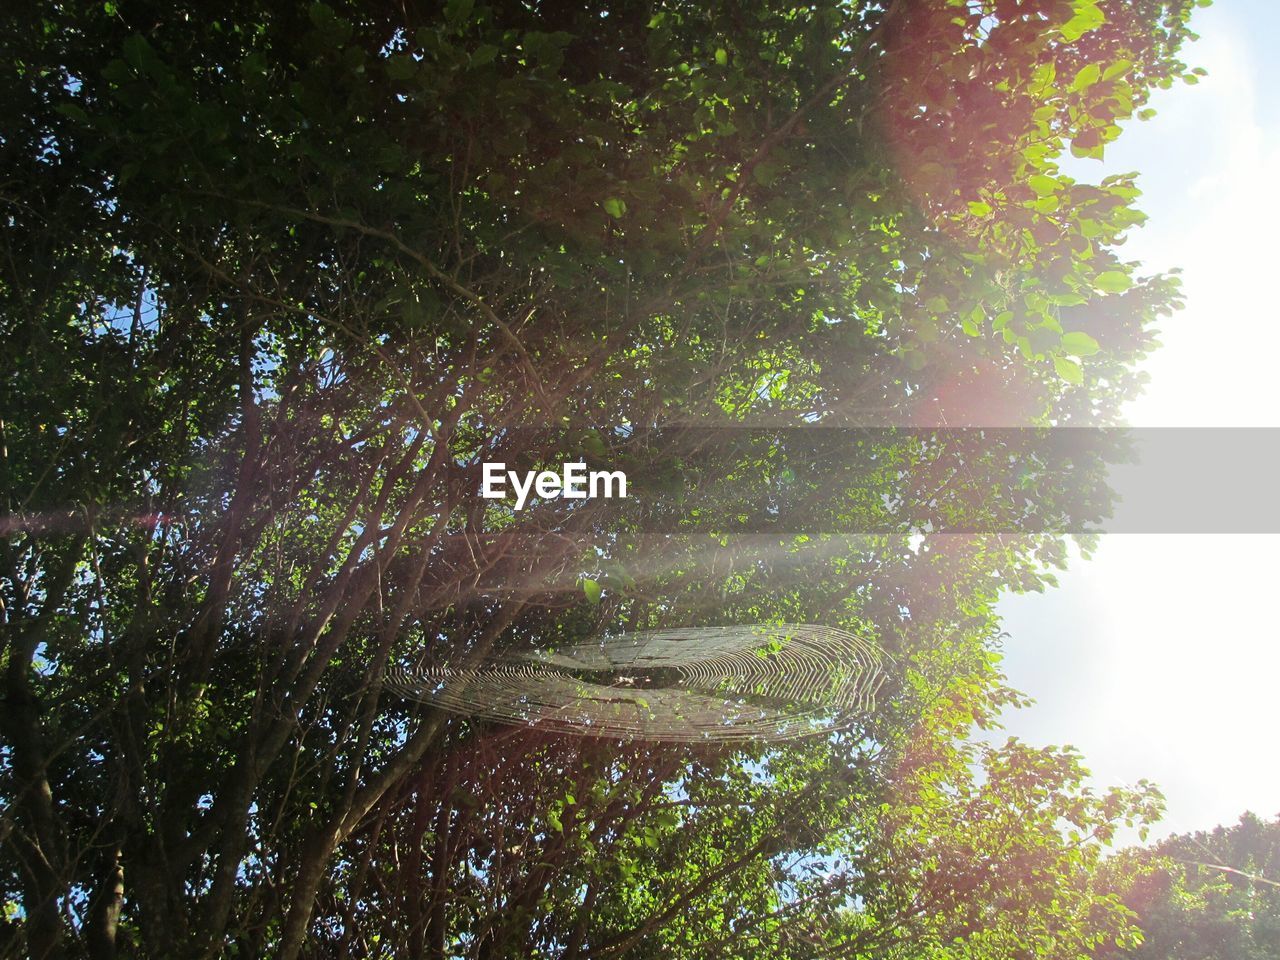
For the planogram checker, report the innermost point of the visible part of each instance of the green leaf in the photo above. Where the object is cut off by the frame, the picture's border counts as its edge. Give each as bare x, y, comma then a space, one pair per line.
591, 589
1117, 69
483, 54
1087, 143
1087, 17
73, 112
1112, 281
1068, 370
972, 324
1079, 344
614, 207
458, 11
765, 173
979, 208
1086, 77
722, 56
1043, 186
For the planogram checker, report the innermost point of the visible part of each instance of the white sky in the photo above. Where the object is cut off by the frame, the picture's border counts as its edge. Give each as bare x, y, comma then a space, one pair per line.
1160, 657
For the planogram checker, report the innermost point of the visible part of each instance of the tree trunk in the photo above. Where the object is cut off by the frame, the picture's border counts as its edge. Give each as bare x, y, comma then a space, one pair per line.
104, 911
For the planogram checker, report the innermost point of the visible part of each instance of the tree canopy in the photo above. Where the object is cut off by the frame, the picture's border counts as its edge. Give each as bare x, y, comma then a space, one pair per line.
1212, 893
275, 283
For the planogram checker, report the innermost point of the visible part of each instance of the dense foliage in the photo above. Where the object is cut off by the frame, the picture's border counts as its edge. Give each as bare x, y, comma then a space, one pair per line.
273, 285
1200, 896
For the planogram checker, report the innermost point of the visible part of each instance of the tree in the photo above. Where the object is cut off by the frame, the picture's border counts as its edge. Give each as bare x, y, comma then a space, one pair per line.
1206, 894
275, 284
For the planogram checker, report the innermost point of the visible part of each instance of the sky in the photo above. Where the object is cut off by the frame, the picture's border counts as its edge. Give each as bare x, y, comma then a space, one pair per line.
1159, 657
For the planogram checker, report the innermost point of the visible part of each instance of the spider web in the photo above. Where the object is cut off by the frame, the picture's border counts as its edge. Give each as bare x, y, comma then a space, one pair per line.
750, 682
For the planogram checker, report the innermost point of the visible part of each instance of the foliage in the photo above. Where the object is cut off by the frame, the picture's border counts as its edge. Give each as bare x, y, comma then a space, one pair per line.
1206, 894
275, 283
